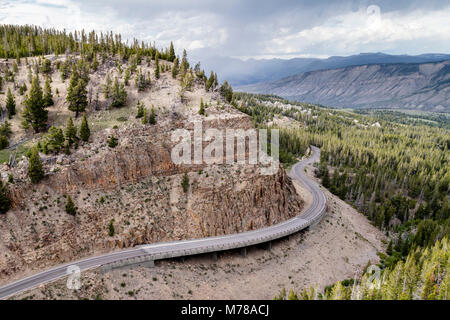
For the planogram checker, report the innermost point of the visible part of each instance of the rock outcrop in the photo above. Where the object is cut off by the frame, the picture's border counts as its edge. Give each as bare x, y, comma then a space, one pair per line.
136, 188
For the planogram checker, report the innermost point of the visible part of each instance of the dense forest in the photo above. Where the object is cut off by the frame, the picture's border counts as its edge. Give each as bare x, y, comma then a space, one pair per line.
440, 120
424, 274
27, 41
396, 174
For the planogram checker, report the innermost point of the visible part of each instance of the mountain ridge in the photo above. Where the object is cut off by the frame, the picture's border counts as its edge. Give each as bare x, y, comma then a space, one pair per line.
418, 86
239, 72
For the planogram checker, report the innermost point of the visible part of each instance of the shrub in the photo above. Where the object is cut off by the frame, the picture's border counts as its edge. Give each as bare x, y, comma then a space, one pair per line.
70, 206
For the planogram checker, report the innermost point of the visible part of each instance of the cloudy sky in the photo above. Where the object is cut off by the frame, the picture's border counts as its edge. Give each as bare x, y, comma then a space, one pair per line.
253, 28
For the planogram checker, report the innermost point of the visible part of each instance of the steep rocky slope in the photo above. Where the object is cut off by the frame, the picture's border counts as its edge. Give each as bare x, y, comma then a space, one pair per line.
338, 248
135, 186
423, 86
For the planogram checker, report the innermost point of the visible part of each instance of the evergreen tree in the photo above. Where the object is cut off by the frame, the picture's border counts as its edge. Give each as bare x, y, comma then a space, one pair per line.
70, 206
71, 132
65, 70
326, 178
157, 75
113, 141
144, 117
111, 228
210, 82
5, 202
10, 104
184, 64
141, 81
118, 94
46, 66
107, 87
48, 96
77, 93
34, 112
226, 91
185, 182
201, 111
152, 119
85, 132
171, 57
35, 169
55, 139
175, 68
140, 112
127, 76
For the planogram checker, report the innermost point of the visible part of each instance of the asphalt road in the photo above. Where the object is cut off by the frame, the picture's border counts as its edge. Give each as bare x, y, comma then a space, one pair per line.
157, 251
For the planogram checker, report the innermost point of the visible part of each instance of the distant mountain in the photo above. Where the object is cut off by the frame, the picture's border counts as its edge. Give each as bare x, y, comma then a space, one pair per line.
419, 86
238, 72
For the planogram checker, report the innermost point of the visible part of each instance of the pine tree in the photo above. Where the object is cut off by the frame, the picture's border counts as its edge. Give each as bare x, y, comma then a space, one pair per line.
216, 82
157, 75
127, 76
35, 169
10, 104
70, 206
118, 94
46, 66
326, 178
210, 82
144, 117
152, 119
175, 68
107, 87
111, 228
184, 64
34, 112
48, 97
140, 112
226, 91
141, 81
55, 139
113, 141
201, 111
71, 132
185, 182
77, 93
85, 132
171, 57
5, 202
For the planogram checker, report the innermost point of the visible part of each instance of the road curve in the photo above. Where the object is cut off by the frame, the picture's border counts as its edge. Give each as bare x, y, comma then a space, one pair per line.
158, 251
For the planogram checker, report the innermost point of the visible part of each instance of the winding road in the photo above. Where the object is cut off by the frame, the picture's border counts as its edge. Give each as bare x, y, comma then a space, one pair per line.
309, 217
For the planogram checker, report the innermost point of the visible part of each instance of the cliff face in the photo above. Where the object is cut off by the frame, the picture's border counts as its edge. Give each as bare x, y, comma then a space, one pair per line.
138, 188
423, 86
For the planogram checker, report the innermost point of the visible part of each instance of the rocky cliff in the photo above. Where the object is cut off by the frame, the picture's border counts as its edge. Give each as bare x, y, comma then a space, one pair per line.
136, 188
420, 86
